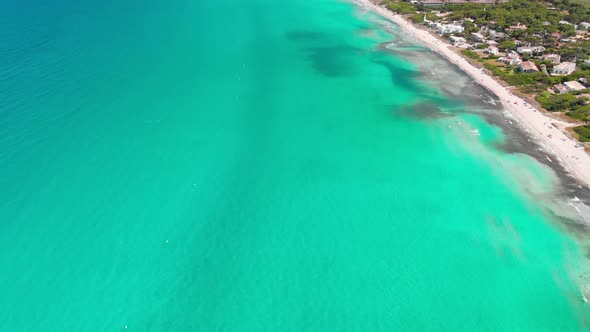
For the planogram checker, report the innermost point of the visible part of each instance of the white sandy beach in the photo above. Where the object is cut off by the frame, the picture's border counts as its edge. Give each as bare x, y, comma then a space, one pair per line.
560, 147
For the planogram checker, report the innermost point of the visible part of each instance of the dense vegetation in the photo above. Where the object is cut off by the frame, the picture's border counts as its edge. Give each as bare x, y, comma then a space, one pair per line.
401, 7
583, 133
471, 54
573, 104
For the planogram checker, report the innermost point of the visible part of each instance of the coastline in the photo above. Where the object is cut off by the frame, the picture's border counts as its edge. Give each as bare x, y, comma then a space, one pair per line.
574, 160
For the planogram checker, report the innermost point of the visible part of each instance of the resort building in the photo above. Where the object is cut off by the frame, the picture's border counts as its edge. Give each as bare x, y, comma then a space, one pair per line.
585, 25
528, 67
553, 58
564, 68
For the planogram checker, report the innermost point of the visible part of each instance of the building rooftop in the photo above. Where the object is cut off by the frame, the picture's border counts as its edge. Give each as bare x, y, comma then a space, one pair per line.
528, 66
517, 27
560, 88
565, 66
574, 86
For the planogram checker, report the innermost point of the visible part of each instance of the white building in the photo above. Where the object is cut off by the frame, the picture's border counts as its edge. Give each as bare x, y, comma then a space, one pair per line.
560, 88
457, 40
568, 87
444, 29
478, 37
493, 34
553, 58
585, 25
492, 50
512, 59
564, 68
525, 50
574, 86
528, 67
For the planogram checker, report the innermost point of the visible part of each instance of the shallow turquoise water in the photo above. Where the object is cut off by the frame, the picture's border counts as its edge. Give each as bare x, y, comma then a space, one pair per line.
254, 166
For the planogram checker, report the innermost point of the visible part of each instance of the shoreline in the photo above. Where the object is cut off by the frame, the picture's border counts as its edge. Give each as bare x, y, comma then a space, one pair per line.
539, 126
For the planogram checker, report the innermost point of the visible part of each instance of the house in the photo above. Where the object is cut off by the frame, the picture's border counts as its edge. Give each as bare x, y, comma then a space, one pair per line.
516, 27
564, 68
494, 35
492, 43
586, 62
492, 50
568, 87
560, 88
508, 61
585, 25
512, 59
457, 40
431, 3
528, 67
525, 50
444, 29
553, 58
478, 37
574, 86
538, 49
565, 23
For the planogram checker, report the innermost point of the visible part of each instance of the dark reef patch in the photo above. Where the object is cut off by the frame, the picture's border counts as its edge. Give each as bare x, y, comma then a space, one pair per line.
334, 61
400, 76
422, 111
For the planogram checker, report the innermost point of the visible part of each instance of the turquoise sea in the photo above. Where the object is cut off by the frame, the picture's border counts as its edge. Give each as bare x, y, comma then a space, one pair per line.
264, 166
